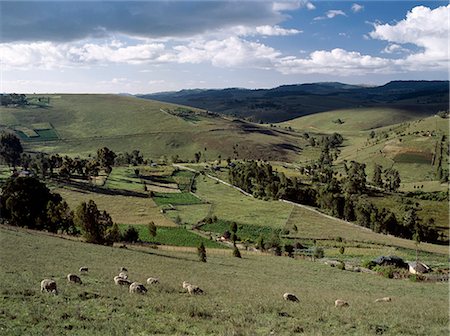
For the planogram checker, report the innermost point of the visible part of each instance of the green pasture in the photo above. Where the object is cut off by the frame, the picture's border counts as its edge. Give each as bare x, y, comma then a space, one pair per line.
250, 232
124, 178
230, 204
176, 199
174, 236
242, 296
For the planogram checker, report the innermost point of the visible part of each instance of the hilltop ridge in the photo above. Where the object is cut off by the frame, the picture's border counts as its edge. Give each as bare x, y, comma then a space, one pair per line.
291, 101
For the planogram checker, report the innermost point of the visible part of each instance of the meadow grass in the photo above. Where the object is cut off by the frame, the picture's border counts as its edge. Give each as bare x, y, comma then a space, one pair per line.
232, 205
242, 296
124, 178
311, 224
251, 232
123, 209
176, 236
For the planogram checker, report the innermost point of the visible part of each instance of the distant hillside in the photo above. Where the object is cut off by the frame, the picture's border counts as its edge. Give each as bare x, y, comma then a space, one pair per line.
291, 101
80, 124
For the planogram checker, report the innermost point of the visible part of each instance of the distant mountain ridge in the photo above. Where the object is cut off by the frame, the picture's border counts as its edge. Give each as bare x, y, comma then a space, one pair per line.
291, 101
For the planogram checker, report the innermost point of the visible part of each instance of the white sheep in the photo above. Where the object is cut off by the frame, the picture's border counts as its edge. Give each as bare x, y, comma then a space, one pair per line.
384, 299
290, 297
152, 281
121, 281
193, 290
123, 275
340, 303
49, 285
83, 269
186, 284
74, 278
137, 287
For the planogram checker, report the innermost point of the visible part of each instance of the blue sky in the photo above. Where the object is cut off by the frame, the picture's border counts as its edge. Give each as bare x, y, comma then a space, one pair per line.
151, 46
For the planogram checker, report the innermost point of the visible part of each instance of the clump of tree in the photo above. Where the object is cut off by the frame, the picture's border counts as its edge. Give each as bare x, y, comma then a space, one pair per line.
135, 158
10, 149
13, 99
27, 202
341, 198
97, 226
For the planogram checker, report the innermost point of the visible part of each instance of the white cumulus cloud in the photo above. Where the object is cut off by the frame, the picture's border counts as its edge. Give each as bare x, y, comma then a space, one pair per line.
424, 27
335, 62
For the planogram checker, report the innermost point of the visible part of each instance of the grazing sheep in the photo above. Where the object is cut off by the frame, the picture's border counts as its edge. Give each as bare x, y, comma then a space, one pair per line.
385, 299
49, 285
152, 281
194, 290
186, 284
121, 281
123, 269
123, 275
83, 269
340, 303
137, 287
290, 297
74, 278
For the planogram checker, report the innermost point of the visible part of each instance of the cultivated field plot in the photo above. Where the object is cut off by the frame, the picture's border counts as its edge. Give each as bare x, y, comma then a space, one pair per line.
123, 209
176, 199
174, 236
242, 296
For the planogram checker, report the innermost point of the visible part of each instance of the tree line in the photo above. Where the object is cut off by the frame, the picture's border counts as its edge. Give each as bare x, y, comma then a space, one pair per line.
345, 198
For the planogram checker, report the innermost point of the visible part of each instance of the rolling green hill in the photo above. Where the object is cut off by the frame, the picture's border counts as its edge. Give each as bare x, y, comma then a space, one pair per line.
80, 124
401, 140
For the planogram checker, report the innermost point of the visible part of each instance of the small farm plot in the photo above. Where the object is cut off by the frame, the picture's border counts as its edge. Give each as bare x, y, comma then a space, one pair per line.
36, 132
244, 232
176, 199
175, 236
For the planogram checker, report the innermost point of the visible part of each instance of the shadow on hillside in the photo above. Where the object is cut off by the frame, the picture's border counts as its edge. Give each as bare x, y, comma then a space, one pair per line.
84, 187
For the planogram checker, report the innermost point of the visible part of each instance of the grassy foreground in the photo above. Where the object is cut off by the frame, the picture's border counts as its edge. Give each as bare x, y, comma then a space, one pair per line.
243, 296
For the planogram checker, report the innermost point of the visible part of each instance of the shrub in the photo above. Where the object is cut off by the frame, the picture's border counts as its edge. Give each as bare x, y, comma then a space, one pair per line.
236, 252
318, 252
201, 250
342, 250
386, 271
131, 235
341, 265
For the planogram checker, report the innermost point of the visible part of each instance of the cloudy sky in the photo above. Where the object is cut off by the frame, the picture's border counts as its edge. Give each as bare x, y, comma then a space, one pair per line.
151, 46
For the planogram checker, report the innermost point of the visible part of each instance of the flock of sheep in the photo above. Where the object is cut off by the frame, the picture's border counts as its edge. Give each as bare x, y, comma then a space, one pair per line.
49, 285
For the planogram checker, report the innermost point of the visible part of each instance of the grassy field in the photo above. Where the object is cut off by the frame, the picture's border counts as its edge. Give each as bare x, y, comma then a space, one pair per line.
360, 119
313, 225
243, 296
124, 178
176, 199
251, 232
230, 204
123, 209
174, 236
88, 122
